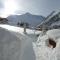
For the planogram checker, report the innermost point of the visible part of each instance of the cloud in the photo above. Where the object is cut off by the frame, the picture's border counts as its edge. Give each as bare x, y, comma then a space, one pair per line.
8, 7
1, 4
39, 7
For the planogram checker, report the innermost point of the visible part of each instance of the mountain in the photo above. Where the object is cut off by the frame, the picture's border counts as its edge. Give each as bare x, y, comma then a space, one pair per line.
53, 22
32, 20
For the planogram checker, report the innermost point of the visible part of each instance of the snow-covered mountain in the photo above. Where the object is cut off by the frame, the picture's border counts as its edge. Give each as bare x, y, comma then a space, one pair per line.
52, 22
32, 20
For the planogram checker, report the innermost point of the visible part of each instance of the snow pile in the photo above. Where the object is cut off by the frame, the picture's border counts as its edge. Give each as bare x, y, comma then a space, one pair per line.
42, 51
14, 45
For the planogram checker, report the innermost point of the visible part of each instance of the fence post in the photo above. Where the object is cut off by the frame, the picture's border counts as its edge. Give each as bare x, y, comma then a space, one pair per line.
24, 28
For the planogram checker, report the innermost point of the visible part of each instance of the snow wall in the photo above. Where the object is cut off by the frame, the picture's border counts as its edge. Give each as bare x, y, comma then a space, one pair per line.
42, 51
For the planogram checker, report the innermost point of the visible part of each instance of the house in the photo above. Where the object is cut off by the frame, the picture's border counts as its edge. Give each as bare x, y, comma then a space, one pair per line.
3, 20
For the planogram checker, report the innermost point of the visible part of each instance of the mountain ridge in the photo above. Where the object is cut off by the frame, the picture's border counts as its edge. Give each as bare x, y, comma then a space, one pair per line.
32, 20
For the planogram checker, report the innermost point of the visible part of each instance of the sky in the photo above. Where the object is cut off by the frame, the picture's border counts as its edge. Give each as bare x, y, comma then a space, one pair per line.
38, 7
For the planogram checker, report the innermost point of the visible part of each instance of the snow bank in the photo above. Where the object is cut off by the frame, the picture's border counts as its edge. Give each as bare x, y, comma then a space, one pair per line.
14, 45
42, 51
55, 34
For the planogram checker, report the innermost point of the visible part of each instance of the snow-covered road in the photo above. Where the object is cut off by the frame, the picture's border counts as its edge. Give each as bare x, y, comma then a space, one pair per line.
15, 45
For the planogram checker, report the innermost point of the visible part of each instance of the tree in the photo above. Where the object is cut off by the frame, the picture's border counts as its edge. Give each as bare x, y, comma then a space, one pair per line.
21, 24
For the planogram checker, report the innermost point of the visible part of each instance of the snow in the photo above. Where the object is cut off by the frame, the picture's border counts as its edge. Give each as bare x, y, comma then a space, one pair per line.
56, 23
42, 51
15, 45
55, 34
32, 20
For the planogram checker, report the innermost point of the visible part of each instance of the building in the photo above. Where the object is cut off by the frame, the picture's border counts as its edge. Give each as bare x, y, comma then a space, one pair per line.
3, 21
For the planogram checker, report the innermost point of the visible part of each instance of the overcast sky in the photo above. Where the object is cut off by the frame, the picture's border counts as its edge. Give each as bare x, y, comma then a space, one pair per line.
39, 7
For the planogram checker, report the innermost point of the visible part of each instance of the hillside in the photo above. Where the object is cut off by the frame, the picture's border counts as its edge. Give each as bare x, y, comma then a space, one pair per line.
53, 22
